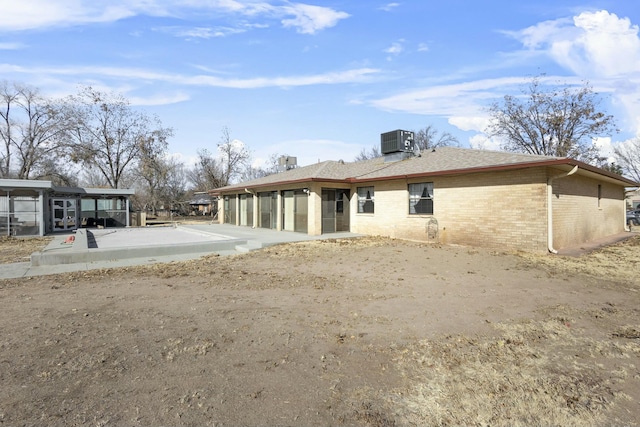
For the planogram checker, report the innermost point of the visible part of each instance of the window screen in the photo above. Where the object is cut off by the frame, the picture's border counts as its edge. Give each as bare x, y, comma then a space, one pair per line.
421, 198
366, 198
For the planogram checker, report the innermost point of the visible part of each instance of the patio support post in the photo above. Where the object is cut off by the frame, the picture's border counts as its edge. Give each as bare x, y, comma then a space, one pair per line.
41, 212
8, 213
255, 210
127, 215
279, 211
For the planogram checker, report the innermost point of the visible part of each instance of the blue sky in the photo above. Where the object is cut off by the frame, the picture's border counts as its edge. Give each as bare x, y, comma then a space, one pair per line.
320, 80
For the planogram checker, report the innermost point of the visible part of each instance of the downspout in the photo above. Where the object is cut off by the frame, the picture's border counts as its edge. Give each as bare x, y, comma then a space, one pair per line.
550, 206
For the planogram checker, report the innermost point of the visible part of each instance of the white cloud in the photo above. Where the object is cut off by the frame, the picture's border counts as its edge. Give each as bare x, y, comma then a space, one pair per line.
189, 161
389, 7
201, 32
606, 147
597, 46
349, 76
163, 99
37, 14
309, 19
22, 15
462, 100
11, 46
127, 74
481, 142
470, 123
463, 104
395, 48
423, 47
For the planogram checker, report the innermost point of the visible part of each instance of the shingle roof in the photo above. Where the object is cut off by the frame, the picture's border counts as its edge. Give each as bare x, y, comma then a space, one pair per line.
329, 170
438, 161
453, 159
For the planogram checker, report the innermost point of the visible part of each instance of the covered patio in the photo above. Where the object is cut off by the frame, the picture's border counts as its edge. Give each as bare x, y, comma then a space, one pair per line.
38, 207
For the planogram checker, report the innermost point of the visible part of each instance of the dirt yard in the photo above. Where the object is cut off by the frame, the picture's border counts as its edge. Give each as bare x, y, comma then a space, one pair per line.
370, 332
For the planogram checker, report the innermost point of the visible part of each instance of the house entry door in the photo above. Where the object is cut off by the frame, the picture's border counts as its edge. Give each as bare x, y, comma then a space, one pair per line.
335, 210
328, 211
65, 214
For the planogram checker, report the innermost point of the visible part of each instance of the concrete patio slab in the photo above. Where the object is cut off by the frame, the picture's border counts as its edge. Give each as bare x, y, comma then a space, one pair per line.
109, 248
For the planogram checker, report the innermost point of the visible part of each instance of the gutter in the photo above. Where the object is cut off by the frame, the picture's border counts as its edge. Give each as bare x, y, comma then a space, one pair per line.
550, 206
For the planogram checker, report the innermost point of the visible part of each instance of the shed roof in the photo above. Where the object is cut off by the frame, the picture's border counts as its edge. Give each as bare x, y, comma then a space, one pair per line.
18, 186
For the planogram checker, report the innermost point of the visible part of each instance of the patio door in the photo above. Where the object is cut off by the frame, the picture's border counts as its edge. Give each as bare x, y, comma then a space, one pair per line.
328, 211
294, 210
64, 214
335, 210
268, 208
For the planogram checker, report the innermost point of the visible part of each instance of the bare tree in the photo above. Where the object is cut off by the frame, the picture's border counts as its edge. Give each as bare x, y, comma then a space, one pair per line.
366, 154
561, 121
32, 132
271, 167
215, 171
429, 138
235, 157
161, 181
174, 189
628, 157
8, 96
59, 172
91, 176
110, 136
207, 173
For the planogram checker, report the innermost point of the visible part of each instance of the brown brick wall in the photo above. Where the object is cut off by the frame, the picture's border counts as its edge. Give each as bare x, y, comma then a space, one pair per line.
504, 209
577, 215
500, 209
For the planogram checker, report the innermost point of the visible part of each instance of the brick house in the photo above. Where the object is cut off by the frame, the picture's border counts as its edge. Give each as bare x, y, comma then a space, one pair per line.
451, 195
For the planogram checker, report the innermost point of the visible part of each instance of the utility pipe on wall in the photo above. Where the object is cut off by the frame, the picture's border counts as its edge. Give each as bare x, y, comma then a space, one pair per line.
550, 206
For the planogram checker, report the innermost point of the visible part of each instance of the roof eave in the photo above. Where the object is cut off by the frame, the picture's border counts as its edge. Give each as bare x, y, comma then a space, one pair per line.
235, 188
612, 177
566, 162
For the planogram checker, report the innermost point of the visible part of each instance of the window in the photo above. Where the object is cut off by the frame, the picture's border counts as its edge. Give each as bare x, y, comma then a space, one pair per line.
366, 198
421, 198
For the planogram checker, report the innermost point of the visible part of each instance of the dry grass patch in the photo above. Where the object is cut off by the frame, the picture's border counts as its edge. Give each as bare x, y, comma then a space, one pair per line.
19, 249
619, 262
532, 373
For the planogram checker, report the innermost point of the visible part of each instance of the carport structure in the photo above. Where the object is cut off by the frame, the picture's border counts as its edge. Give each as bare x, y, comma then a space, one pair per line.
38, 207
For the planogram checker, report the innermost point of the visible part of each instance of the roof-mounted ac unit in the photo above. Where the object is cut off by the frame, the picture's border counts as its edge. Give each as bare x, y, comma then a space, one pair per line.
286, 163
397, 141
